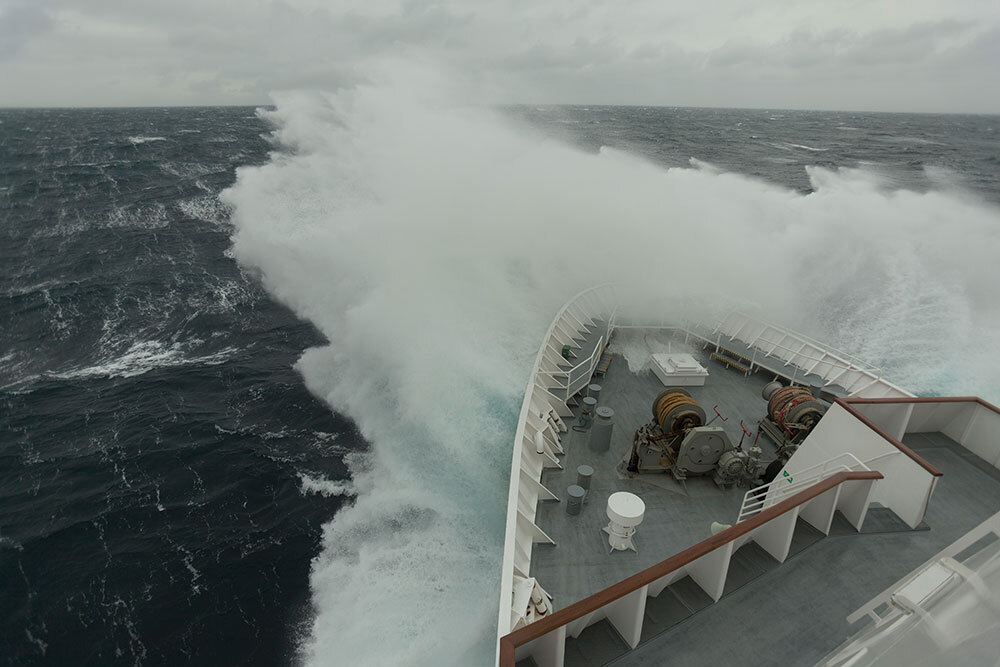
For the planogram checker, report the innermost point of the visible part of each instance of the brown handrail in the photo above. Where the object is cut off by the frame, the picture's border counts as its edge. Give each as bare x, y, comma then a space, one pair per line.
848, 403
928, 399
508, 643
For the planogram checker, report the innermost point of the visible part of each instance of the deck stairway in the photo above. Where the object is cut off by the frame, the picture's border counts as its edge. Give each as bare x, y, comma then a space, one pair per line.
567, 375
777, 524
672, 610
601, 643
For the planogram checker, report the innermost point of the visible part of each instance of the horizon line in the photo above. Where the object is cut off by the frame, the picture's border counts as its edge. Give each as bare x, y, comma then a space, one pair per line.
502, 104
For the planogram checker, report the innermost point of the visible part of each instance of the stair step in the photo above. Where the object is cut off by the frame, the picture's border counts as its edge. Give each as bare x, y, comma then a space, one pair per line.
747, 563
526, 662
690, 594
597, 645
662, 613
803, 537
877, 520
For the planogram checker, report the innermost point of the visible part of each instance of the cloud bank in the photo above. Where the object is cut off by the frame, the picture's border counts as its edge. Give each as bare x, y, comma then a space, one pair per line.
879, 55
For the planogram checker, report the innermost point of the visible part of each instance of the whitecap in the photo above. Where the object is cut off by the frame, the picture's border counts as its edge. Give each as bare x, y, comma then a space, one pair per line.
320, 485
808, 148
207, 209
137, 140
142, 357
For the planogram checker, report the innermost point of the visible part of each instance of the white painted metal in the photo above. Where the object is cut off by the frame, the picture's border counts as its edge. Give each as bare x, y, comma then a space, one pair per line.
709, 572
549, 388
625, 511
990, 526
906, 486
678, 369
785, 485
860, 378
626, 613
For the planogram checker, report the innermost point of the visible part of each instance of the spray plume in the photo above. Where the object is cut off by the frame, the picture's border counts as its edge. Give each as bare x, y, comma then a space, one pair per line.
431, 243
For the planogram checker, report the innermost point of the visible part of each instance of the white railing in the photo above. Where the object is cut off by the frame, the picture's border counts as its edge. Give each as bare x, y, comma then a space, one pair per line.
801, 352
760, 498
879, 609
536, 441
547, 392
854, 360
572, 375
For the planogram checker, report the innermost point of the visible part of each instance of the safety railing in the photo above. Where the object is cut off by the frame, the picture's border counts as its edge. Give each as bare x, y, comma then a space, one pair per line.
949, 557
569, 374
536, 441
707, 562
759, 498
747, 321
800, 352
803, 358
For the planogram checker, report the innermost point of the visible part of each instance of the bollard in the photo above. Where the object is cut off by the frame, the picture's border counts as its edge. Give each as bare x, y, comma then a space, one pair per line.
574, 499
600, 433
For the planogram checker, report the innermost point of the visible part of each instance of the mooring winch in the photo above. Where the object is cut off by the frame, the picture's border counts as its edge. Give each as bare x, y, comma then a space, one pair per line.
679, 441
792, 414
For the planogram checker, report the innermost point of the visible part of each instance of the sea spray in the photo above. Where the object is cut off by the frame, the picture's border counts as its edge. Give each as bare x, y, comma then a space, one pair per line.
431, 242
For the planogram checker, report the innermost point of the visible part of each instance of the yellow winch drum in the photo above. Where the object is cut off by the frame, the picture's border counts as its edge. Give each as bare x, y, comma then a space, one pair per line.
675, 411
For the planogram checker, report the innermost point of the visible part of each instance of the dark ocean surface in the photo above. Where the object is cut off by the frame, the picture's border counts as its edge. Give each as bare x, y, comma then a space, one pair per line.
162, 464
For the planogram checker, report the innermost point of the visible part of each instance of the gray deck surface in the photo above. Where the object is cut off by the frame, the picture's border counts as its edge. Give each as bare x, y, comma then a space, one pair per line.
793, 613
677, 515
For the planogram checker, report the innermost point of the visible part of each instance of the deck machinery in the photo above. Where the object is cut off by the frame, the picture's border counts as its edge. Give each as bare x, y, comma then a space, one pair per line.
678, 440
792, 414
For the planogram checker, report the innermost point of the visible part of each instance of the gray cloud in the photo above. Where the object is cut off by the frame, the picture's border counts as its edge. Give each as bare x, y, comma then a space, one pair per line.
19, 23
932, 55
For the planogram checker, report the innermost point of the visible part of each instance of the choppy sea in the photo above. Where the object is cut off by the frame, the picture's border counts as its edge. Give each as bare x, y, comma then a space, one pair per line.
260, 369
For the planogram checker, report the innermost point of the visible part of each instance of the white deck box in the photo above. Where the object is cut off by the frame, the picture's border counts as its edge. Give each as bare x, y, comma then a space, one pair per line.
678, 369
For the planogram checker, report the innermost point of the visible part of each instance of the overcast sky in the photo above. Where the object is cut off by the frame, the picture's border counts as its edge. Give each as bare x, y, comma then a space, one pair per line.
881, 55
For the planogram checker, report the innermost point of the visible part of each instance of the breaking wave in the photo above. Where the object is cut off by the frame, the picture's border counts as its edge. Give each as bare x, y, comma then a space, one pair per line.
432, 242
325, 487
142, 357
137, 140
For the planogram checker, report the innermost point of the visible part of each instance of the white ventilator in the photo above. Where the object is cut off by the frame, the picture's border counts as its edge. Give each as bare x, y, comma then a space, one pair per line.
625, 511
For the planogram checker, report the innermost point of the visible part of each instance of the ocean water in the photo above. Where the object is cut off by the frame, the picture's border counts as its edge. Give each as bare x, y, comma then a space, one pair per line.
260, 369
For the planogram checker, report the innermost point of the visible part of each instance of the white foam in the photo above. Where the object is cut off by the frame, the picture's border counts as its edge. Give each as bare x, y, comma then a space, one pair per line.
808, 148
207, 209
136, 140
325, 487
431, 243
142, 357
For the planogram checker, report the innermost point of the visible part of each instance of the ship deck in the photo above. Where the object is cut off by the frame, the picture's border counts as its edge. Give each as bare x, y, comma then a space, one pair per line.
678, 514
793, 613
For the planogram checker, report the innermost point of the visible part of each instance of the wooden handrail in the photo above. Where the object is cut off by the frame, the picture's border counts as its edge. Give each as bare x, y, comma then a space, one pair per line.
508, 643
927, 399
848, 403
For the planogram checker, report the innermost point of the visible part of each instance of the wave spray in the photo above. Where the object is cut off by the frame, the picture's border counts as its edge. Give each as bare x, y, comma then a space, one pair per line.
431, 243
